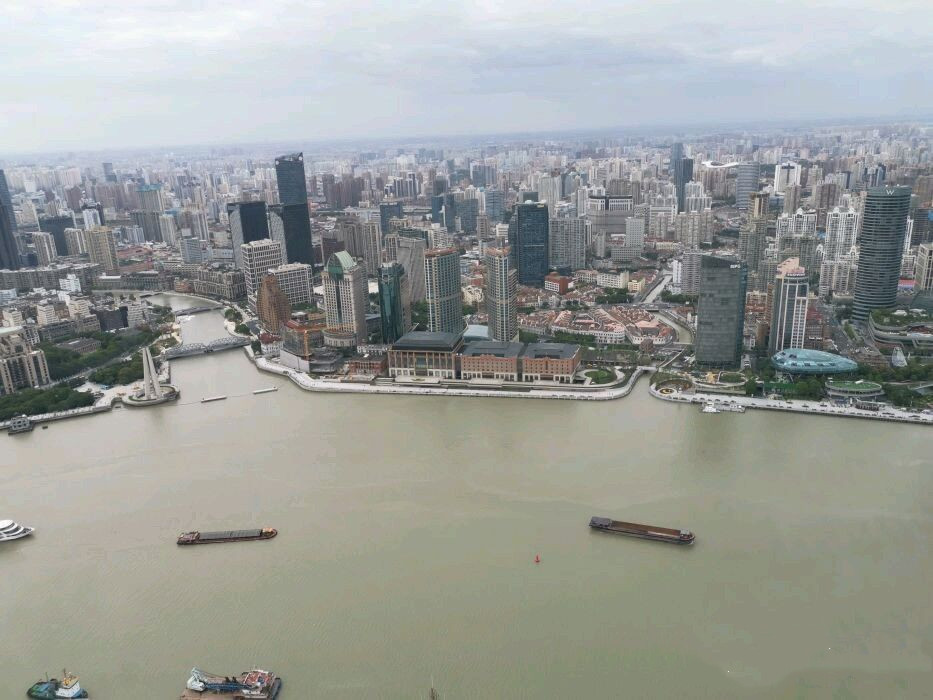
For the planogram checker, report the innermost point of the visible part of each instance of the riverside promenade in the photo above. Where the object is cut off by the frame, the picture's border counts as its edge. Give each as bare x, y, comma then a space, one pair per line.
886, 413
309, 383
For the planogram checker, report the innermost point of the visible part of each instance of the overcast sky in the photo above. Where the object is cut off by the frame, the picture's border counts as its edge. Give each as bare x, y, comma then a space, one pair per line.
118, 73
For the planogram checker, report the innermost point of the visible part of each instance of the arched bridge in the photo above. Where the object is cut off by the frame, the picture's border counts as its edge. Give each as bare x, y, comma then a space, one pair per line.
189, 349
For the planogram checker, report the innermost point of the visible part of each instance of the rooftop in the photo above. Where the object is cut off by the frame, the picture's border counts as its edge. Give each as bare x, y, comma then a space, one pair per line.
493, 347
563, 351
428, 340
802, 361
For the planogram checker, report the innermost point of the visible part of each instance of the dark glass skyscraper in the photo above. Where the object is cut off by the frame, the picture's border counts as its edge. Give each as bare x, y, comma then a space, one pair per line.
720, 311
6, 201
387, 212
683, 173
296, 218
248, 223
394, 301
881, 245
9, 253
528, 239
56, 225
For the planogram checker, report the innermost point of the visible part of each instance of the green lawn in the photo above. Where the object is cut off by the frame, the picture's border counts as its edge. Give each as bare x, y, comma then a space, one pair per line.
600, 376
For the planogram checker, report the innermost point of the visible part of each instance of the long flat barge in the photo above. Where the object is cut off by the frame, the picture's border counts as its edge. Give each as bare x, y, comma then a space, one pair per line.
208, 399
196, 537
645, 532
250, 685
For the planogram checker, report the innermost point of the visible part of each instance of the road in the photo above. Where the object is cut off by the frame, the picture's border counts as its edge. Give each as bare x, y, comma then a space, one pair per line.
656, 292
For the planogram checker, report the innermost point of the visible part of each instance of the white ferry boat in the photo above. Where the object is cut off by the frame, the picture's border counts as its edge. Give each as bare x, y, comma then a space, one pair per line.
710, 408
11, 531
720, 406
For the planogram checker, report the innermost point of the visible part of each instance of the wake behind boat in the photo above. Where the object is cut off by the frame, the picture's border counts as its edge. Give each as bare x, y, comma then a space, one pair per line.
195, 537
11, 531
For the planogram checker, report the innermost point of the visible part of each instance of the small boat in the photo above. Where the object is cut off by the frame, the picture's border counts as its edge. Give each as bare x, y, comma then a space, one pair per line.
251, 685
208, 399
196, 537
11, 531
710, 408
266, 391
20, 424
67, 687
645, 532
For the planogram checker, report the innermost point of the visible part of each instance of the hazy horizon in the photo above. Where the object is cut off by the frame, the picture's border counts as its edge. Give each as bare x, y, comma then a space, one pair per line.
100, 75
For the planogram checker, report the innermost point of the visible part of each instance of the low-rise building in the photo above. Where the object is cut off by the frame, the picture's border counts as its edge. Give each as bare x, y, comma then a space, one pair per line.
425, 354
491, 359
556, 362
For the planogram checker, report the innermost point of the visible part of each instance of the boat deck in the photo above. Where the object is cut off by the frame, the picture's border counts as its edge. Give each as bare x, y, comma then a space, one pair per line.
195, 695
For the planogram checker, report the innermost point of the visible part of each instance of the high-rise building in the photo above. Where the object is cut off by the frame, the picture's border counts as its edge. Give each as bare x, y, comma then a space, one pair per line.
786, 174
6, 204
75, 241
387, 212
191, 252
501, 295
272, 305
746, 182
20, 365
45, 247
394, 301
881, 245
258, 258
683, 173
788, 308
102, 248
841, 232
690, 272
293, 210
345, 295
567, 245
792, 198
720, 311
442, 290
150, 198
528, 242
56, 225
295, 281
411, 257
248, 222
924, 269
372, 253
9, 251
495, 204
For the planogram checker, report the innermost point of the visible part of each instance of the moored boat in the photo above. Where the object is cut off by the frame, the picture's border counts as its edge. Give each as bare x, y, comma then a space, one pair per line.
52, 689
11, 531
197, 537
250, 685
645, 532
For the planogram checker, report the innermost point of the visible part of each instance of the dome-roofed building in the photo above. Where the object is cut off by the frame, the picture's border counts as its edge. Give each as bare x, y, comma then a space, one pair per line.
801, 361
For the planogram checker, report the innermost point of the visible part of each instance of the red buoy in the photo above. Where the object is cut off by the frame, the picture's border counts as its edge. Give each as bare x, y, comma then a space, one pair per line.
537, 559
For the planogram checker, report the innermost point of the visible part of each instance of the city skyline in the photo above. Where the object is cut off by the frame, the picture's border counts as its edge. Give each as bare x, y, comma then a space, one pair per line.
759, 63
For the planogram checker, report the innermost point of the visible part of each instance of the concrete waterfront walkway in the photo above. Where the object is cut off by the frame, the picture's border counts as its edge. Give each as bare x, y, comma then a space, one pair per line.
309, 383
888, 413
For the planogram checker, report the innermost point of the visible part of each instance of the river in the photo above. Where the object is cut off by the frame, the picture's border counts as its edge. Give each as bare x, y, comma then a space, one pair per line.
408, 532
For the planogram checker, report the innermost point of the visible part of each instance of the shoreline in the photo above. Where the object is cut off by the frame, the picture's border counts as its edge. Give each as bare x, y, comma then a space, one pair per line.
892, 414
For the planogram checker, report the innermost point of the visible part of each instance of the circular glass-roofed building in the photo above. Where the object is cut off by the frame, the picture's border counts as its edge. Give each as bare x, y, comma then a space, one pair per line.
801, 361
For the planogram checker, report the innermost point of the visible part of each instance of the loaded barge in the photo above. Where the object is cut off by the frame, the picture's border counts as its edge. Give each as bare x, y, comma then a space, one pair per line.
250, 685
645, 532
266, 533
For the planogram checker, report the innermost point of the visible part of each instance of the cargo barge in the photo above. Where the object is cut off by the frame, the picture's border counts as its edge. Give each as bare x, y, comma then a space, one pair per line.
196, 537
645, 532
250, 685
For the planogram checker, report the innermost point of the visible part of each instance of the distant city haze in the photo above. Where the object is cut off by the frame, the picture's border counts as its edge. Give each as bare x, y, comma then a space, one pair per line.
107, 74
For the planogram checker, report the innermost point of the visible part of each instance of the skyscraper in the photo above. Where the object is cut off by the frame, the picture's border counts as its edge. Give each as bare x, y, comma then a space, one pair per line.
9, 252
102, 248
442, 290
272, 305
372, 252
924, 269
567, 244
720, 312
293, 210
56, 225
345, 295
501, 292
6, 202
528, 241
248, 223
746, 182
881, 246
394, 301
683, 173
46, 251
258, 258
150, 198
411, 257
786, 174
841, 232
788, 308
495, 204
387, 212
